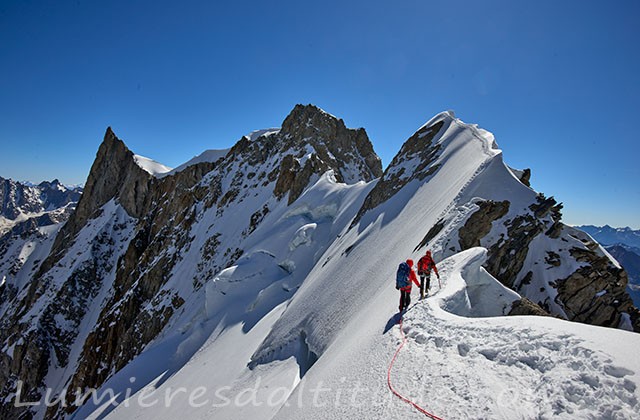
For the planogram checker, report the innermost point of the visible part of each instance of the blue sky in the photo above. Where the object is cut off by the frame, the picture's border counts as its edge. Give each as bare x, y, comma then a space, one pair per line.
558, 83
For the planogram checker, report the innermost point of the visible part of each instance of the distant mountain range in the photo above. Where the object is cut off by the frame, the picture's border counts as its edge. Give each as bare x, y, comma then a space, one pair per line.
629, 259
608, 235
23, 203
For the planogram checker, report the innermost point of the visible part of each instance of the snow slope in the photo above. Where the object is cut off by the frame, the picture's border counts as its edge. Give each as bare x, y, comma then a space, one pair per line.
151, 166
211, 155
470, 367
239, 306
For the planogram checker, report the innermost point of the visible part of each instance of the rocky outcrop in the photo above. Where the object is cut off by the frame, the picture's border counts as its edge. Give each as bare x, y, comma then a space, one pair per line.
507, 256
348, 151
114, 175
419, 148
596, 292
28, 362
524, 175
525, 306
293, 179
318, 142
480, 222
433, 231
508, 253
525, 178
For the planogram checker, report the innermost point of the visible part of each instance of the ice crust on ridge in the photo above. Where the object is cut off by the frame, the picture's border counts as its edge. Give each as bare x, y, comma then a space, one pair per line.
151, 166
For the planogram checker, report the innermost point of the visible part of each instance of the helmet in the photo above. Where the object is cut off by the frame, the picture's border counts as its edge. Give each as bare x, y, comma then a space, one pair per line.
428, 254
410, 263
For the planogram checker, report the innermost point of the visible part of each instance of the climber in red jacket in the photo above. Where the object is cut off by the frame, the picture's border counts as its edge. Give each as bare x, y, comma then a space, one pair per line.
405, 286
425, 265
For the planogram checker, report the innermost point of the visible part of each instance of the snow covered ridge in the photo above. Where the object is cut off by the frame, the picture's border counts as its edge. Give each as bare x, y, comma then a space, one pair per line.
513, 367
151, 166
270, 265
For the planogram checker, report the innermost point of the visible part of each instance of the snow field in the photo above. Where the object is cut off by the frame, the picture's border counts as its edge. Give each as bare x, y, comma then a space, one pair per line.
515, 367
151, 166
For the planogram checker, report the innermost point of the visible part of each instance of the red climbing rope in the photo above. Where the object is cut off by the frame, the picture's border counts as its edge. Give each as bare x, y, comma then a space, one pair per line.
396, 393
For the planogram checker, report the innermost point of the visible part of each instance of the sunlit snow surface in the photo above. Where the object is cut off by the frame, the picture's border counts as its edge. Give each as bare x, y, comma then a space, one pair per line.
151, 166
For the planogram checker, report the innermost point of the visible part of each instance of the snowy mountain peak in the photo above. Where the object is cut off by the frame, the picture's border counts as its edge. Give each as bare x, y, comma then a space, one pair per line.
262, 132
311, 131
114, 175
425, 152
310, 143
304, 116
448, 115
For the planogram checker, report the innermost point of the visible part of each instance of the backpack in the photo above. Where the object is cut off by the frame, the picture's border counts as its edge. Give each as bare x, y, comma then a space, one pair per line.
424, 265
402, 276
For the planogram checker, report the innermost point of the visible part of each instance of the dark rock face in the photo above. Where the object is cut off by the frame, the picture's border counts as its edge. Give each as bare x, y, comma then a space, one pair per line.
479, 224
507, 256
419, 147
596, 293
348, 151
526, 177
28, 363
433, 231
114, 174
526, 307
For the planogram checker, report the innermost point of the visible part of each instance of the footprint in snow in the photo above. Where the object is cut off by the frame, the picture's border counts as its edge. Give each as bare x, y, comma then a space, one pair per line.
617, 372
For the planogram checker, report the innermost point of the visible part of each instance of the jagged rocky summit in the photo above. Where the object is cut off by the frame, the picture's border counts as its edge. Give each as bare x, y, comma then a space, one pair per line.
162, 260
